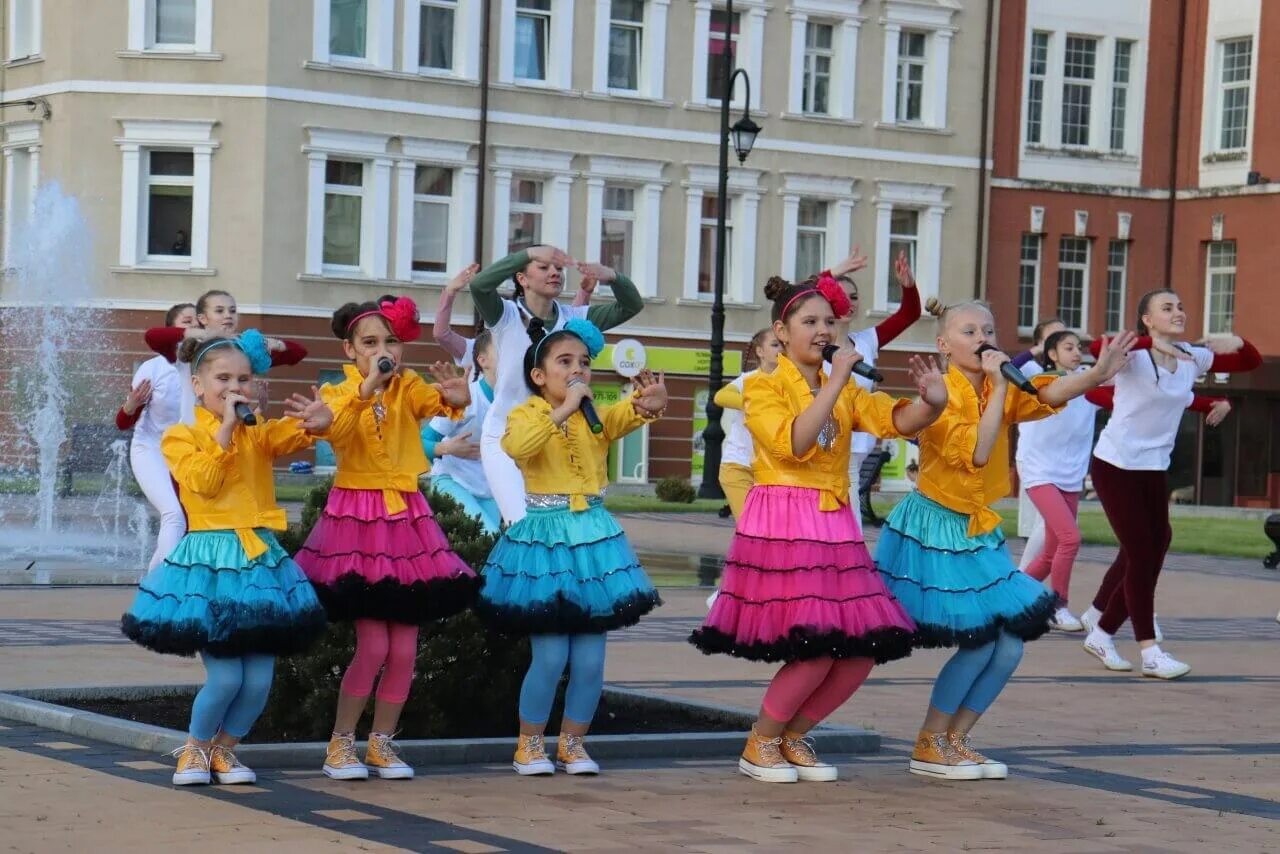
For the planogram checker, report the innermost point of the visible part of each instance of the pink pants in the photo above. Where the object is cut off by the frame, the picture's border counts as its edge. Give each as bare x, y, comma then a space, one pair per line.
814, 688
1061, 536
382, 646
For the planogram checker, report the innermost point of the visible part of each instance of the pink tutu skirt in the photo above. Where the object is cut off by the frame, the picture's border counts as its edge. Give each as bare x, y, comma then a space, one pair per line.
798, 584
365, 564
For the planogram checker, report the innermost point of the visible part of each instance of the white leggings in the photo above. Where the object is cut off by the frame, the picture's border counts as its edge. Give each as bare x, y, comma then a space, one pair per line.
505, 480
152, 474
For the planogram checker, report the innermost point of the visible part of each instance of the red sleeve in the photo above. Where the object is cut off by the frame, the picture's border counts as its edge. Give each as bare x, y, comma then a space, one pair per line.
165, 340
895, 324
292, 354
125, 421
1103, 396
1143, 343
1202, 404
1247, 358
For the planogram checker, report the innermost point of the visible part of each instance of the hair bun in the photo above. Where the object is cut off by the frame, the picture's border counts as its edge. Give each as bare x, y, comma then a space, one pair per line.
776, 288
934, 306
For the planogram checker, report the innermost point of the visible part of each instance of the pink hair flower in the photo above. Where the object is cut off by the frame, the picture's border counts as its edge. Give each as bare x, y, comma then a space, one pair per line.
402, 314
834, 294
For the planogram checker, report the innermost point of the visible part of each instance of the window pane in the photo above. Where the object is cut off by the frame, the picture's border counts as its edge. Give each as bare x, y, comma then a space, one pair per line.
818, 35
624, 58
1081, 57
903, 222
911, 44
1073, 260
525, 191
430, 236
1035, 107
707, 259
1117, 264
1039, 53
435, 38
525, 231
172, 163
169, 221
342, 229
347, 27
619, 198
1119, 101
710, 206
627, 10
433, 181
810, 250
615, 244
812, 213
175, 21
1235, 117
541, 5
716, 48
344, 173
1237, 57
531, 47
1124, 54
1028, 279
1076, 102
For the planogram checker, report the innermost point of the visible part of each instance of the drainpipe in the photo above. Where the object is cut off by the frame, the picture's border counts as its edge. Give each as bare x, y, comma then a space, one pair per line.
1171, 204
979, 237
482, 158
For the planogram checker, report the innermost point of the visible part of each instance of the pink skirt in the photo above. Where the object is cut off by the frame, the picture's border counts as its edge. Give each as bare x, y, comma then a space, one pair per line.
798, 584
365, 564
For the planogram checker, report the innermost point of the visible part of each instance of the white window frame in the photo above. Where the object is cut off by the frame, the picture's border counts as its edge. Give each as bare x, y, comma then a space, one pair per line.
462, 205
142, 36
371, 149
934, 20
1222, 87
1122, 271
538, 208
466, 47
555, 169
809, 71
1036, 266
645, 178
1083, 268
1042, 77
907, 62
1090, 84
1117, 86
840, 197
380, 18
21, 180
140, 136
1209, 272
821, 231
653, 51
33, 45
743, 211
929, 200
749, 53
559, 53
1231, 19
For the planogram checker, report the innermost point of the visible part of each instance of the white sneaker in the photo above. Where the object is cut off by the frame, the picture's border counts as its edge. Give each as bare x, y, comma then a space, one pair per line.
711, 600
1105, 651
1064, 621
1162, 665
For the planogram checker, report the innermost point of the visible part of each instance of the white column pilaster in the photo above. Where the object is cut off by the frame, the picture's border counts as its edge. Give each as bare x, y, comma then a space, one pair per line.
889, 75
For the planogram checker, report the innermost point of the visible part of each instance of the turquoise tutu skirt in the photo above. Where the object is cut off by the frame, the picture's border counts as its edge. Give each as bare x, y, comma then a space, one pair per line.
960, 590
557, 571
208, 596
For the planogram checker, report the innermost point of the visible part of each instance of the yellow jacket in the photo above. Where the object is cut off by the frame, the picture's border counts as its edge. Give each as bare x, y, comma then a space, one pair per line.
947, 472
386, 456
232, 489
773, 401
571, 461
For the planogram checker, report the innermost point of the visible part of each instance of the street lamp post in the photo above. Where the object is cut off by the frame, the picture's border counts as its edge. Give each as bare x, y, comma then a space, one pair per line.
744, 133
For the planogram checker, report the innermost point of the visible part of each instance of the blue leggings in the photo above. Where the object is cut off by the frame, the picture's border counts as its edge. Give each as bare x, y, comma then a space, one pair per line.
585, 656
233, 696
973, 678
473, 505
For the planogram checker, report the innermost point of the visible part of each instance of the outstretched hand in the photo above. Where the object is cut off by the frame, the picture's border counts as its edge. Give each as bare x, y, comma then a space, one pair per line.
461, 280
927, 377
313, 414
855, 262
651, 393
452, 383
1114, 354
902, 269
1218, 412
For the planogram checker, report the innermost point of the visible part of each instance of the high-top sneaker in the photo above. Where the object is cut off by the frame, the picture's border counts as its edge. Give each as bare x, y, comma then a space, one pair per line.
531, 757
193, 766
572, 758
762, 760
341, 762
382, 759
226, 769
798, 750
991, 769
935, 757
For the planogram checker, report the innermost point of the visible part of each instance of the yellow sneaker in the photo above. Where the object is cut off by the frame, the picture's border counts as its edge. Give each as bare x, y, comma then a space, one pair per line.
531, 757
572, 758
382, 758
798, 750
935, 757
991, 769
341, 762
226, 769
762, 760
193, 766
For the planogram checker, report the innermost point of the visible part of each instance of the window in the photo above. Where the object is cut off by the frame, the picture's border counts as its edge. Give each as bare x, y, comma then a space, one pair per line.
24, 28
1237, 65
818, 54
626, 35
525, 229
1117, 275
718, 44
811, 238
911, 66
1073, 280
432, 199
617, 231
21, 177
1078, 68
173, 23
707, 246
343, 212
349, 28
1029, 281
170, 183
164, 206
435, 34
1037, 67
1120, 94
533, 38
1221, 276
904, 236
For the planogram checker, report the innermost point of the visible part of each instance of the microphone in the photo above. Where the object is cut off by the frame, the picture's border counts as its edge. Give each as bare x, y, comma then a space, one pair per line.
245, 414
588, 410
385, 365
860, 367
1012, 374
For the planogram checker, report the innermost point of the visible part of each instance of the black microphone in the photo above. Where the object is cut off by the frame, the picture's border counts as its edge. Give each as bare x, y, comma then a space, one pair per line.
588, 410
1012, 374
860, 367
245, 414
385, 365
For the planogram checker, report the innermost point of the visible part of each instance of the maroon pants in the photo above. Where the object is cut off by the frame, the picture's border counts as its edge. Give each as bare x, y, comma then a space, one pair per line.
1137, 506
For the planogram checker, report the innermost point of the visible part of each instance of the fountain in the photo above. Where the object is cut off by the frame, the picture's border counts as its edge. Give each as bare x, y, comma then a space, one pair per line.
53, 344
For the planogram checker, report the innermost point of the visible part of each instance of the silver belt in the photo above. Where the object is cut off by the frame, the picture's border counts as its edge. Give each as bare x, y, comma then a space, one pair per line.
551, 501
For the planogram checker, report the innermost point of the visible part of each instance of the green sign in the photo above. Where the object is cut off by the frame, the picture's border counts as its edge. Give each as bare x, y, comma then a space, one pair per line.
699, 424
675, 360
896, 468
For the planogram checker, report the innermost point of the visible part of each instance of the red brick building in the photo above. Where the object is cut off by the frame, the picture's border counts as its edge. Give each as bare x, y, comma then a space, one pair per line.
1137, 145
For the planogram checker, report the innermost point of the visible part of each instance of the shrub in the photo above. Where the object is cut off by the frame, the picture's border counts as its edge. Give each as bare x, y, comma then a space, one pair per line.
675, 490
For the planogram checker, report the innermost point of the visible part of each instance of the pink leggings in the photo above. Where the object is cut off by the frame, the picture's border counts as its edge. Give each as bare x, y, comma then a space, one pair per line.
382, 646
814, 688
1061, 536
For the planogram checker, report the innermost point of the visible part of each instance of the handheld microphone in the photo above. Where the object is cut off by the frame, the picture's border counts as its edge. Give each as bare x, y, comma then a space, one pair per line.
860, 367
245, 414
385, 365
1012, 374
588, 410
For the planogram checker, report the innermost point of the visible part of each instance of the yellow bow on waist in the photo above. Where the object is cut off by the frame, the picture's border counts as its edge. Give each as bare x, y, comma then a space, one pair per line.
253, 545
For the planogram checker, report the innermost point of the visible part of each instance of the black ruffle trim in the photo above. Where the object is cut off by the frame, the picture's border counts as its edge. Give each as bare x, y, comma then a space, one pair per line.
494, 569
804, 598
742, 536
562, 617
353, 597
801, 644
276, 634
904, 579
830, 567
1028, 625
319, 555
929, 548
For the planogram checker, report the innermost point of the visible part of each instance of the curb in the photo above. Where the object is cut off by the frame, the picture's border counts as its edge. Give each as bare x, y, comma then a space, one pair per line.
40, 707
